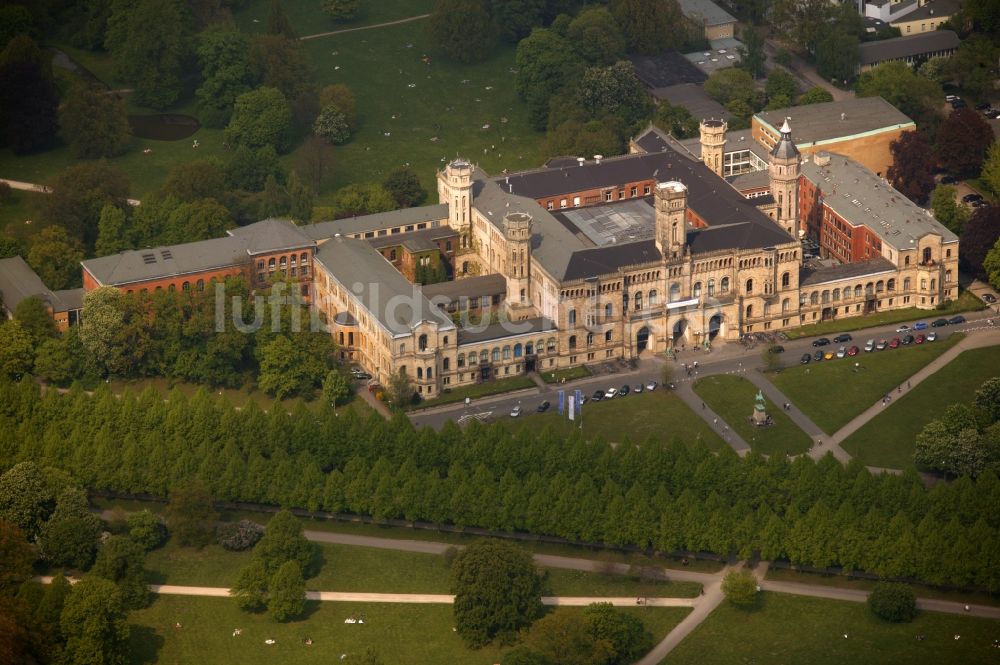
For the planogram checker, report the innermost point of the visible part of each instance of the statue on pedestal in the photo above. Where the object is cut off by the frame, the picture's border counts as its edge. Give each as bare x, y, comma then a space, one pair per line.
759, 411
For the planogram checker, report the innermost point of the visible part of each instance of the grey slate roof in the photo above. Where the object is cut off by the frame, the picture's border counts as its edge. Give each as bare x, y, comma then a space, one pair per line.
19, 282
469, 287
933, 8
503, 330
321, 231
706, 10
816, 123
749, 234
395, 303
271, 235
608, 259
693, 97
415, 241
70, 299
740, 139
863, 198
871, 53
651, 139
810, 275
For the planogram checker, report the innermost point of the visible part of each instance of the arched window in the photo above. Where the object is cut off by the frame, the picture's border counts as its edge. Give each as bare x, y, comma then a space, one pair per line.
785, 304
711, 288
282, 262
767, 309
446, 364
749, 311
906, 260
430, 373
696, 291
506, 353
786, 279
814, 298
465, 267
495, 354
304, 258
638, 300
590, 339
540, 346
422, 342
518, 350
724, 285
608, 311
825, 297
923, 284
891, 285
572, 341
857, 291
947, 253
484, 357
529, 348
749, 288
675, 292
836, 295
927, 254
341, 338
947, 276
420, 372
551, 345
473, 359
402, 348
186, 286
933, 284
172, 287
652, 298
906, 283
402, 370
461, 361
607, 336
270, 264
869, 289
572, 317
879, 286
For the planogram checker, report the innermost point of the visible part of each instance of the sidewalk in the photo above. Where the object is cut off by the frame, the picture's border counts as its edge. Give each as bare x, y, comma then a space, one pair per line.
685, 390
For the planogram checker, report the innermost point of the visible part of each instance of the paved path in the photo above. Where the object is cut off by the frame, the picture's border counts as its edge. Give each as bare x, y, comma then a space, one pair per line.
687, 394
42, 189
364, 27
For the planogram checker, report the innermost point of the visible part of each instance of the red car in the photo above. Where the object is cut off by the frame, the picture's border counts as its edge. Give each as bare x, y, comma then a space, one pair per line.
920, 339
894, 343
853, 351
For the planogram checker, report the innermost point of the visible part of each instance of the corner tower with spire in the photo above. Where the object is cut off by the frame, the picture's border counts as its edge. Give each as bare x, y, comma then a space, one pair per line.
784, 176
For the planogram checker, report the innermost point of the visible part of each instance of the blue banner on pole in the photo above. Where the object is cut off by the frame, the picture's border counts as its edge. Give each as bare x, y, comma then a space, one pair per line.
562, 401
579, 402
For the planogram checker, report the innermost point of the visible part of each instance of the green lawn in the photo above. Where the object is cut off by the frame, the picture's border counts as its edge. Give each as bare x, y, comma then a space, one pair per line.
831, 393
568, 374
563, 582
308, 19
732, 397
479, 390
887, 440
400, 634
21, 207
660, 414
795, 629
966, 302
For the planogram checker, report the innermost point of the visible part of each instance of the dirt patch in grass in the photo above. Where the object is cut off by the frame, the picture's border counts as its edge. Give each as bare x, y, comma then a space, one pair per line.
163, 126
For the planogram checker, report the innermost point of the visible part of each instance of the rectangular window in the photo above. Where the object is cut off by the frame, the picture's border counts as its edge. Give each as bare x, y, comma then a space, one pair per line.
634, 191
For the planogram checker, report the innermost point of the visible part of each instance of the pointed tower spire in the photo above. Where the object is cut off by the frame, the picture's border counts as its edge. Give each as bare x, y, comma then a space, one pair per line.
784, 180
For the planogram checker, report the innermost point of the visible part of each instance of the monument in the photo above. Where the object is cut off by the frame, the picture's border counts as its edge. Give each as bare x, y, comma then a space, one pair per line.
760, 417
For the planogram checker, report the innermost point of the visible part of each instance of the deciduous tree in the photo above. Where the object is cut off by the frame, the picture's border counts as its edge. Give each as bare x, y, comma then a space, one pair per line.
947, 210
261, 118
596, 37
331, 124
962, 141
626, 634
121, 560
79, 193
893, 602
566, 637
56, 257
94, 122
462, 30
223, 57
914, 95
190, 513
362, 199
649, 26
16, 350
991, 168
284, 541
740, 587
287, 592
816, 95
250, 589
979, 236
545, 62
16, 558
991, 265
95, 624
911, 172
28, 98
727, 85
146, 529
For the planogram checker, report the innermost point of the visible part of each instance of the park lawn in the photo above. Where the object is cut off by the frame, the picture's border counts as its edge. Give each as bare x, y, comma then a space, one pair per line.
380, 66
966, 302
832, 394
732, 397
21, 207
797, 629
862, 584
400, 634
565, 582
307, 18
887, 440
659, 414
479, 390
566, 374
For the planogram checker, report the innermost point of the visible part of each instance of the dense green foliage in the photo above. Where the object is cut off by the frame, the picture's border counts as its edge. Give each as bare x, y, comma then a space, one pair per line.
94, 122
962, 141
911, 172
966, 440
120, 560
893, 602
462, 29
190, 513
274, 576
287, 592
740, 587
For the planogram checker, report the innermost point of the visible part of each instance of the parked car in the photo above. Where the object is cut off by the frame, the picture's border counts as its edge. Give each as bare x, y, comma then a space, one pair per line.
955, 320
992, 114
882, 345
842, 337
516, 411
920, 325
894, 343
969, 198
776, 348
869, 346
939, 323
903, 328
828, 355
908, 339
982, 106
853, 351
919, 339
611, 393
651, 385
637, 388
989, 298
544, 406
597, 396
360, 375
817, 356
842, 352
958, 104
806, 358
624, 390
931, 336
948, 179
822, 341
951, 98
979, 204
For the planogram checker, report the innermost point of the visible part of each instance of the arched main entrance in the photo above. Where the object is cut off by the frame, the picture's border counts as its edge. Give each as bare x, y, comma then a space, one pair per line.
715, 327
642, 339
680, 331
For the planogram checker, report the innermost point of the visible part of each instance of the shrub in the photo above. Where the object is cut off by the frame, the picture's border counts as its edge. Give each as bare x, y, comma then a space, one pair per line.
893, 602
146, 529
240, 536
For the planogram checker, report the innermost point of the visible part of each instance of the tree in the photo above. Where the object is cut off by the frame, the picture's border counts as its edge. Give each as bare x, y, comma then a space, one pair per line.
545, 63
55, 361
331, 124
284, 541
935, 69
288, 369
121, 560
987, 399
566, 637
341, 10
112, 231
69, 537
16, 350
56, 258
362, 199
315, 162
277, 62
613, 91
991, 168
596, 37
155, 51
400, 390
25, 500
336, 389
223, 57
837, 55
970, 67
896, 82
79, 193
278, 23
15, 20
190, 513
94, 123
462, 29
197, 220
94, 623
497, 591
287, 592
676, 120
626, 634
979, 236
200, 179
404, 186
28, 98
300, 199
952, 444
780, 82
991, 266
248, 169
911, 172
753, 59
962, 141
514, 19
816, 95
250, 589
33, 314
261, 118
893, 602
16, 558
947, 210
146, 529
740, 587
339, 95
523, 655
240, 536
112, 332
727, 85
649, 26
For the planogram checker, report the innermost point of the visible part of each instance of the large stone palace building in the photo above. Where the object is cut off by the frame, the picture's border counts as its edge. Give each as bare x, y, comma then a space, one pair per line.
586, 260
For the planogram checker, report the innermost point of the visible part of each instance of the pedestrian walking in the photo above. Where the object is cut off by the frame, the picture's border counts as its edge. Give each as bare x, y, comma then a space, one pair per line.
907, 385
702, 406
